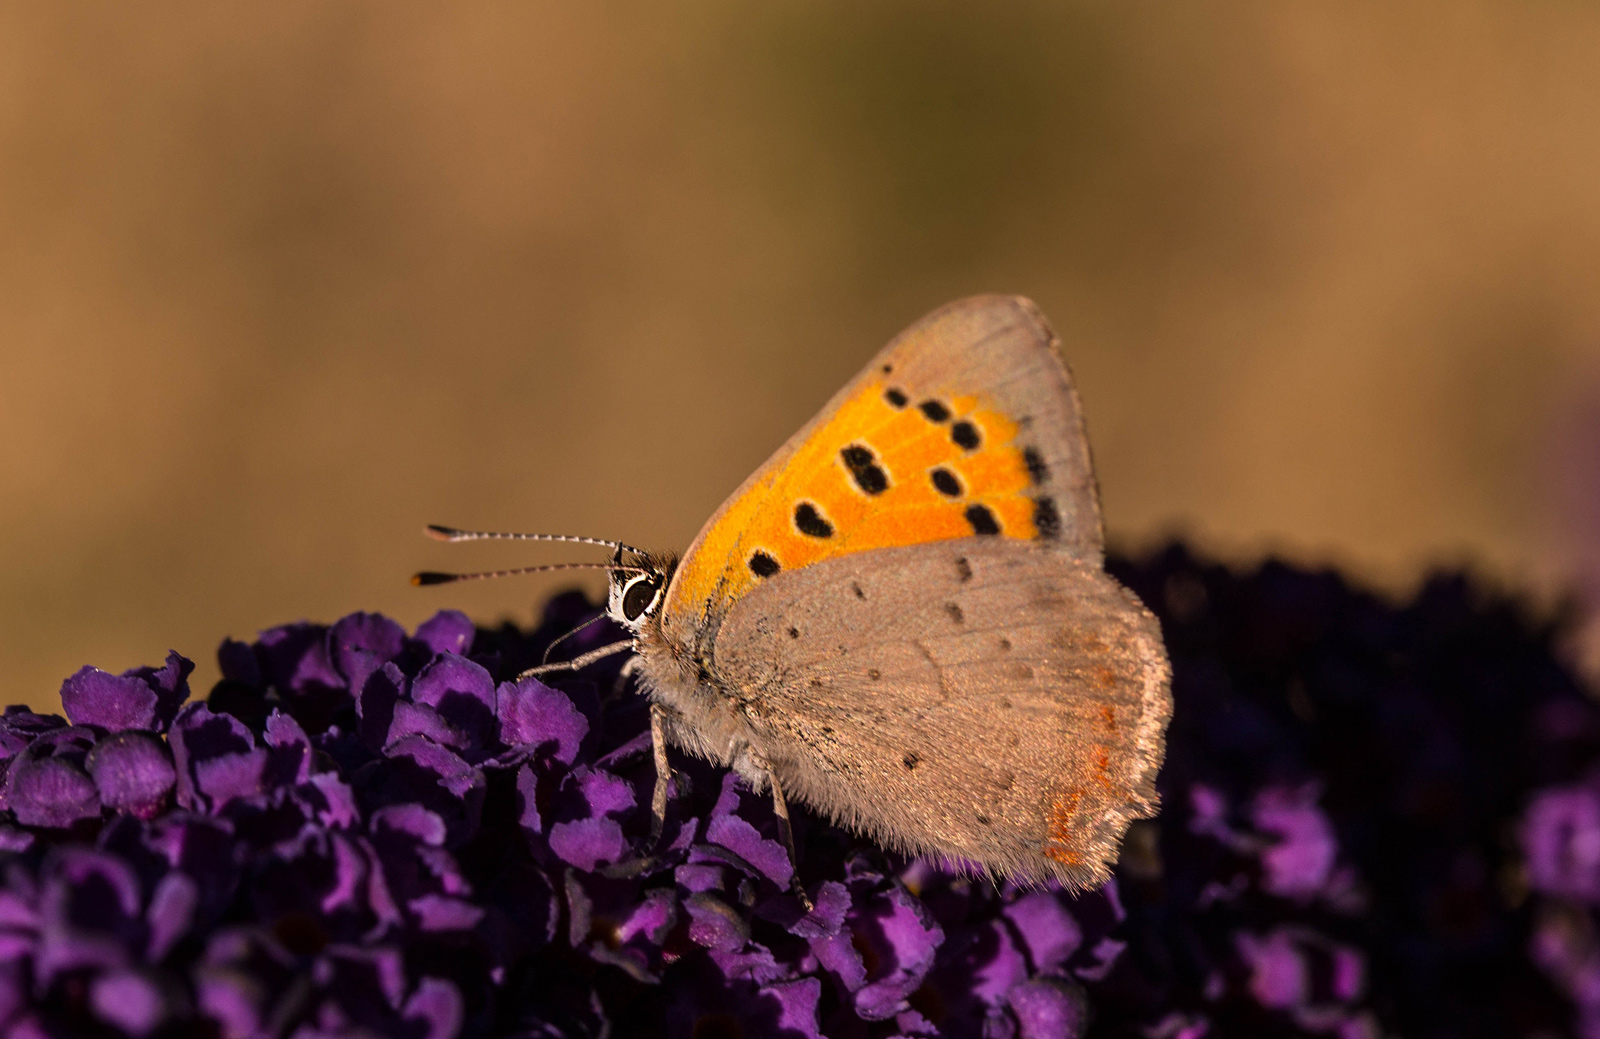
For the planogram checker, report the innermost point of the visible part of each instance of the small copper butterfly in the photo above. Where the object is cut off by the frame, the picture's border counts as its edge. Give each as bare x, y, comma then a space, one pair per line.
903, 618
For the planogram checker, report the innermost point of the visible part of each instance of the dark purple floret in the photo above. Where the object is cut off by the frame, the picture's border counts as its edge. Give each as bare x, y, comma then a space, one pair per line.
1049, 1008
1561, 842
535, 716
448, 631
47, 785
217, 758
361, 643
133, 772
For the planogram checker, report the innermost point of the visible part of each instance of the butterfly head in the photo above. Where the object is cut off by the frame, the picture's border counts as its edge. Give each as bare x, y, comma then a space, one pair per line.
637, 588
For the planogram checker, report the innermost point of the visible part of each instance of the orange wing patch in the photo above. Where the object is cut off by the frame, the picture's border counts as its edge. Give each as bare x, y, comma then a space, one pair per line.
884, 470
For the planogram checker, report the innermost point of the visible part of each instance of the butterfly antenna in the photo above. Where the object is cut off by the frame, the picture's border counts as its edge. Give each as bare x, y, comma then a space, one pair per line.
597, 618
427, 577
442, 533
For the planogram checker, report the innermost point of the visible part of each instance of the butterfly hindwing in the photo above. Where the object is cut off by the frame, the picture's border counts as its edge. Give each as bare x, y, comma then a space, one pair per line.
982, 698
965, 425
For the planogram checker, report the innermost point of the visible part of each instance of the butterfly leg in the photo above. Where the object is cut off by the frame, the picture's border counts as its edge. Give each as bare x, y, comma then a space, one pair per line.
626, 672
658, 744
780, 808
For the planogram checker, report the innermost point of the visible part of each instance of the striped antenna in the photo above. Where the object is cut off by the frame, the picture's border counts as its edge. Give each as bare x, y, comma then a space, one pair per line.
427, 577
441, 533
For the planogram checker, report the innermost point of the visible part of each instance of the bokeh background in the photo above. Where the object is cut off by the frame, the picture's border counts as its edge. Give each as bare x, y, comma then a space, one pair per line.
279, 283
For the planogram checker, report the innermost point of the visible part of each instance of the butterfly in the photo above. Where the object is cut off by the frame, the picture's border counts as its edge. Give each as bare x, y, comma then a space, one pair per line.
903, 619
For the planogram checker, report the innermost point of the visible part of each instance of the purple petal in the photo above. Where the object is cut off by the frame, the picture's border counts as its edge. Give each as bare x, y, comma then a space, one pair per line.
290, 750
715, 924
438, 1004
1000, 964
743, 839
231, 998
1299, 865
422, 771
412, 719
216, 758
411, 819
133, 772
361, 643
1349, 975
115, 702
652, 919
585, 843
839, 955
464, 695
237, 662
376, 702
1049, 1008
50, 791
754, 962
1278, 969
330, 800
906, 939
170, 682
362, 971
223, 778
443, 913
448, 770
603, 792
88, 913
171, 912
128, 1000
701, 876
448, 631
531, 714
1051, 932
1561, 842
799, 1003
19, 726
294, 659
827, 916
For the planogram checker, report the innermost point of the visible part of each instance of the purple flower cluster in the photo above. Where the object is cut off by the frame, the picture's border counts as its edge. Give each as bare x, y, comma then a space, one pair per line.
1346, 780
1378, 819
365, 832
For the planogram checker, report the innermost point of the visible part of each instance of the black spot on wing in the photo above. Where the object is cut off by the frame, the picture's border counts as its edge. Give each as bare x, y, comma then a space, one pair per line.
965, 434
945, 482
811, 522
955, 612
935, 410
1046, 518
910, 760
864, 469
762, 564
895, 398
964, 569
1038, 470
982, 520
855, 586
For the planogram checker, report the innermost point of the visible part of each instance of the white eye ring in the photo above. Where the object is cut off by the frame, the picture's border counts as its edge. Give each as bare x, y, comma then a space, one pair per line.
638, 597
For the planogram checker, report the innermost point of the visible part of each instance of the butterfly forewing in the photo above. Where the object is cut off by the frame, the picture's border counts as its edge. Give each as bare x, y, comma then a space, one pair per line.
965, 425
983, 699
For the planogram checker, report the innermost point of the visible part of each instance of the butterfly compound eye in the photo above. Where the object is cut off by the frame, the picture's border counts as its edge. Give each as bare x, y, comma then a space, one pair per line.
638, 596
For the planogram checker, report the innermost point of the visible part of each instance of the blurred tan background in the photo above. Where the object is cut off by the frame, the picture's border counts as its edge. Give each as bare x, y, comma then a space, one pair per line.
281, 282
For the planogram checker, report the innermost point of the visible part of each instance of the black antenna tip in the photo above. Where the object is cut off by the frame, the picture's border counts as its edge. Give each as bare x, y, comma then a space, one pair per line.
431, 577
439, 533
